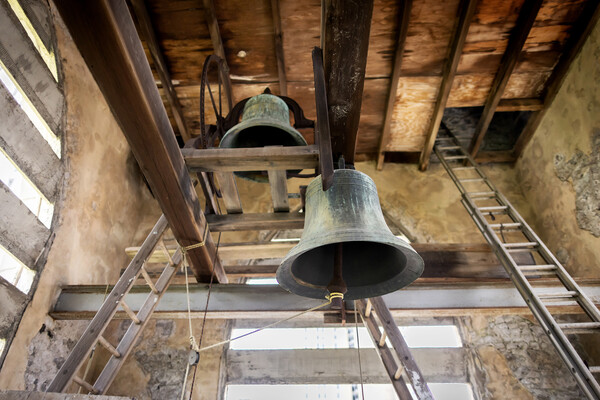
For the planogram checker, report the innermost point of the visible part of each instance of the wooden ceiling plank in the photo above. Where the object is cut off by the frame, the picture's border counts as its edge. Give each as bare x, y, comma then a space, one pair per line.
107, 39
215, 37
148, 34
527, 16
466, 10
404, 17
279, 47
345, 35
581, 30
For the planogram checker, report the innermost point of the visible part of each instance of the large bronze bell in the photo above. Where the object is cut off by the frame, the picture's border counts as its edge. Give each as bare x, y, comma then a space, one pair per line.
265, 122
373, 261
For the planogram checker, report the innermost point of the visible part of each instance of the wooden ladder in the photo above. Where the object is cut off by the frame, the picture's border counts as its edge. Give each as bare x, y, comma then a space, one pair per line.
403, 365
94, 332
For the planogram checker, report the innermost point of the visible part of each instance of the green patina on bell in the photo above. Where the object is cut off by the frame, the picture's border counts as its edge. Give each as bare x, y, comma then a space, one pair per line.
265, 122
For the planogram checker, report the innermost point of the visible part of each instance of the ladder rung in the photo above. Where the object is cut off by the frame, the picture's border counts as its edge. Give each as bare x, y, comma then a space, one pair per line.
130, 313
149, 280
443, 138
519, 245
462, 168
595, 370
558, 295
478, 194
368, 308
398, 373
580, 327
111, 349
472, 180
165, 251
455, 157
539, 273
546, 267
87, 386
510, 225
449, 148
492, 208
382, 339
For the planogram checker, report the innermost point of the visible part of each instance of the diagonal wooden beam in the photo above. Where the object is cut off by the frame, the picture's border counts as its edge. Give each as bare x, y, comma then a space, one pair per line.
215, 37
404, 17
107, 39
466, 10
279, 47
580, 32
517, 39
147, 31
345, 33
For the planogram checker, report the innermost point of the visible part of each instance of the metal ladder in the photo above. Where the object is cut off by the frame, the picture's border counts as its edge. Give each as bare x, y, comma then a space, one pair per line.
401, 365
508, 233
94, 332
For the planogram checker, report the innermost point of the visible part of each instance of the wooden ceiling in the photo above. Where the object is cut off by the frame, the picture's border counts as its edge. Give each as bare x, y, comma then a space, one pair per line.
498, 54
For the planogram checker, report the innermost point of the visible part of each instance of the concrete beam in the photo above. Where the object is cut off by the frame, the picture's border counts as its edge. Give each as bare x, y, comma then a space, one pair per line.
317, 366
22, 395
252, 301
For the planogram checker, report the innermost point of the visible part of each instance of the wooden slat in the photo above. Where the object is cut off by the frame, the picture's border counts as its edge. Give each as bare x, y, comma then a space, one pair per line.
279, 191
389, 111
105, 313
107, 39
228, 188
145, 22
251, 159
251, 222
517, 39
466, 10
21, 233
24, 144
579, 34
508, 105
345, 39
29, 70
126, 345
279, 47
210, 15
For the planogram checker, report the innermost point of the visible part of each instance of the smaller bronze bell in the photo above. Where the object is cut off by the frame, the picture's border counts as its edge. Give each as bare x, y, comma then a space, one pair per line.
374, 261
265, 122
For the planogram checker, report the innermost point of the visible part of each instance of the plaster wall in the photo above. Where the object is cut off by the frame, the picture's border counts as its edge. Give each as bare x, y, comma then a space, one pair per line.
560, 168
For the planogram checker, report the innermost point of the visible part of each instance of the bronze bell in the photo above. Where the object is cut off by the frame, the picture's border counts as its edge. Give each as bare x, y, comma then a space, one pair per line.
374, 261
265, 122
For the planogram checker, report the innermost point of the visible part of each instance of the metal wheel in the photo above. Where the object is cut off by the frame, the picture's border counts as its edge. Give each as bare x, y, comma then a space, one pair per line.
212, 126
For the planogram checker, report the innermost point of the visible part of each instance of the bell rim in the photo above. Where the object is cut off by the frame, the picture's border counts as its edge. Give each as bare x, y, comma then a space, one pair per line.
413, 270
297, 136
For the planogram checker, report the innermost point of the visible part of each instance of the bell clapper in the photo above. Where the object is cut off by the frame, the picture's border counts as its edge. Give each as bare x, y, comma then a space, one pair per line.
337, 284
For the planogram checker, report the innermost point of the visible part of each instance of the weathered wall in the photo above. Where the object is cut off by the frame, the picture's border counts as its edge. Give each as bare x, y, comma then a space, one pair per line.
560, 168
102, 203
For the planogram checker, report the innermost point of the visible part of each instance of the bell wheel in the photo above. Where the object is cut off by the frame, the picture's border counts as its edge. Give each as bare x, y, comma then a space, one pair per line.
215, 101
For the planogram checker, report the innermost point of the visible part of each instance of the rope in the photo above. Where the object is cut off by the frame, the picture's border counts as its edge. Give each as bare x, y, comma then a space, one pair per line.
362, 388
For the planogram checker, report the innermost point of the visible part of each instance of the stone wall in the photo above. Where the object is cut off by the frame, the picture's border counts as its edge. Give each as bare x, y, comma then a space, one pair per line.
560, 168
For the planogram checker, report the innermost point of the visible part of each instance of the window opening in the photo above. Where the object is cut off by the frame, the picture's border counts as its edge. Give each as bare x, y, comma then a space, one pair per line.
15, 272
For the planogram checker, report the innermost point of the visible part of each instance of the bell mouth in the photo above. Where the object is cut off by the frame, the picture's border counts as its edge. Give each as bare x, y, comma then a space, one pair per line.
260, 133
369, 269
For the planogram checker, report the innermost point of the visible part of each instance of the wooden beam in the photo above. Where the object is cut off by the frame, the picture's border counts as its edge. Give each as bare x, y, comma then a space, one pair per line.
229, 191
403, 21
279, 47
251, 159
147, 31
509, 105
466, 10
504, 156
279, 190
252, 222
345, 36
517, 39
107, 39
215, 36
578, 36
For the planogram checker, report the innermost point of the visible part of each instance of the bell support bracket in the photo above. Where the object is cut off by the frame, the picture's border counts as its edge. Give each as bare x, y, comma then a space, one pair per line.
322, 134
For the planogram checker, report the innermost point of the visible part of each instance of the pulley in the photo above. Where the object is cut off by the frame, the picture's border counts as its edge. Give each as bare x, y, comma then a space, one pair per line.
346, 223
265, 122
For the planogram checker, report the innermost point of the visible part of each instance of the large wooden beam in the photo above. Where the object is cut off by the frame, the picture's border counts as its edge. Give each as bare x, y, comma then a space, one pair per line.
107, 39
580, 32
215, 36
251, 159
345, 36
517, 39
466, 10
404, 17
279, 47
255, 222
